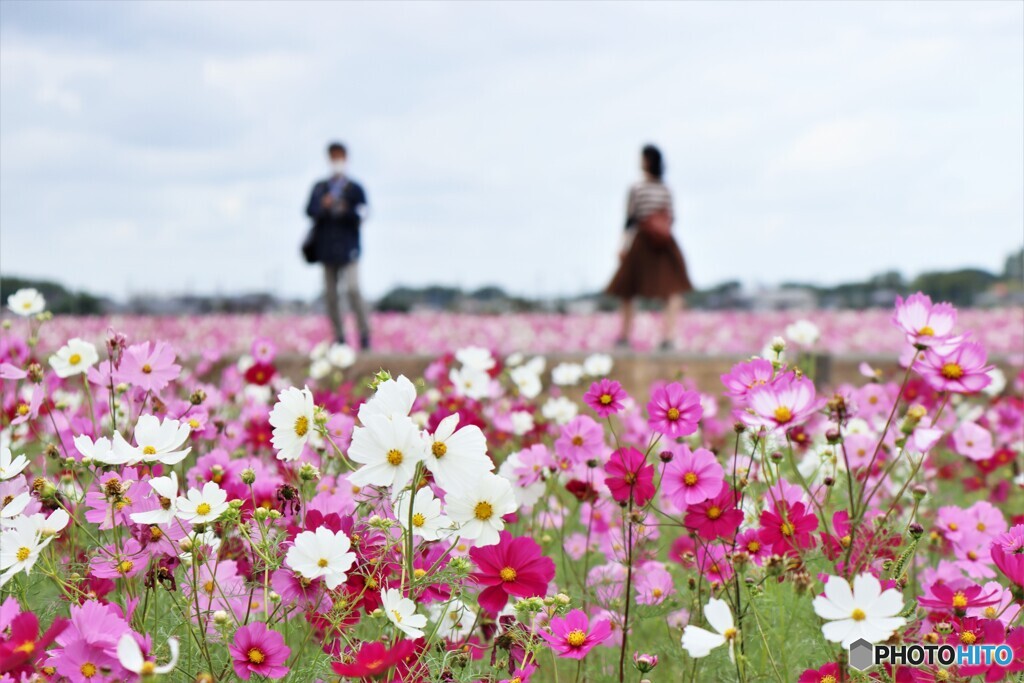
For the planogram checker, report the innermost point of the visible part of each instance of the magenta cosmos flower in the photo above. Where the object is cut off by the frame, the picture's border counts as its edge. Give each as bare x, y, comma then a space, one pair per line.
715, 517
785, 403
1008, 554
745, 376
692, 477
574, 636
629, 475
515, 566
924, 323
788, 526
674, 411
257, 650
958, 368
605, 396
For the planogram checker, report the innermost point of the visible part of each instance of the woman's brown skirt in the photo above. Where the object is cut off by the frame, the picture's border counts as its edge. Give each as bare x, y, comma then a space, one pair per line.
650, 270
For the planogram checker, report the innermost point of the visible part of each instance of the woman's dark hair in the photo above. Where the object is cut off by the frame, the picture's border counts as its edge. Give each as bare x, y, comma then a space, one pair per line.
653, 162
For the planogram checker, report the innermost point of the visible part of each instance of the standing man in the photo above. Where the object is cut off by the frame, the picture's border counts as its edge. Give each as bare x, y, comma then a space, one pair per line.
337, 206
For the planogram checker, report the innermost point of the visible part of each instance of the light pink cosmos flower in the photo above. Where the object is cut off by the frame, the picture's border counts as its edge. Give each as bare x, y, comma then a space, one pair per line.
924, 323
149, 367
973, 441
674, 411
746, 376
582, 439
692, 477
786, 402
574, 636
958, 368
654, 584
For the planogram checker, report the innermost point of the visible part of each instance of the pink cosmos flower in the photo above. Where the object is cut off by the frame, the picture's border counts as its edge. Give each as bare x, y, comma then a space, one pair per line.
973, 441
674, 411
630, 476
746, 376
785, 403
573, 636
956, 598
582, 439
150, 368
924, 323
788, 527
958, 368
605, 396
654, 584
692, 477
257, 650
1008, 553
826, 674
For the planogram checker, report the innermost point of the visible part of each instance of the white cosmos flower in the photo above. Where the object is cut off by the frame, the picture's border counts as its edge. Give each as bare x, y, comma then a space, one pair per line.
14, 507
11, 466
388, 450
567, 374
74, 358
470, 382
598, 365
341, 356
522, 422
559, 409
26, 302
526, 496
101, 451
479, 509
157, 441
454, 619
803, 333
320, 368
203, 507
401, 612
321, 553
527, 381
427, 520
130, 655
866, 612
393, 398
475, 357
44, 526
166, 489
457, 457
292, 420
20, 546
194, 540
699, 642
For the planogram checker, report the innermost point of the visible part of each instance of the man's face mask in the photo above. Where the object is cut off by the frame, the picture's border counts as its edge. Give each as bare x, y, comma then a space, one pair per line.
338, 166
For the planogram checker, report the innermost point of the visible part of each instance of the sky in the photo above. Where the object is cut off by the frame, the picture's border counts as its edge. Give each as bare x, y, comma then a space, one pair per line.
158, 148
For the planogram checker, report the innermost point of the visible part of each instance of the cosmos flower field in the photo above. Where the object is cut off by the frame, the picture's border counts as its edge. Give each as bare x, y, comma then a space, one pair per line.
503, 517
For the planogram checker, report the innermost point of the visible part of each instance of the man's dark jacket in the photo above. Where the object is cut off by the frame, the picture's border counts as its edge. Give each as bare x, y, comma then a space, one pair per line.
336, 238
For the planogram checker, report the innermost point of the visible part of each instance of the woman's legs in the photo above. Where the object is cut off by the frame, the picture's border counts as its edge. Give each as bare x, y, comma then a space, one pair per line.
627, 323
672, 308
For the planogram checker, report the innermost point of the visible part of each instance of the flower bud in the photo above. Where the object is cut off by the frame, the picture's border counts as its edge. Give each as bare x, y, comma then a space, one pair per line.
777, 456
261, 514
308, 472
666, 456
197, 397
919, 492
220, 617
833, 436
916, 531
644, 662
35, 373
248, 476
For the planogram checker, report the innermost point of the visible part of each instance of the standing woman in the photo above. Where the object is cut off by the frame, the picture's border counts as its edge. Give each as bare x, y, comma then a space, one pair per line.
651, 264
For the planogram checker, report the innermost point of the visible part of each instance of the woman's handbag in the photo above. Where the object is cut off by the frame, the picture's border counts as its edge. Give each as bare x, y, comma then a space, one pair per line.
657, 226
309, 246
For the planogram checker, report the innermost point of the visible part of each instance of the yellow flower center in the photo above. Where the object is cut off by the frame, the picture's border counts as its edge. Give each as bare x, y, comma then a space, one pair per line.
981, 526
193, 423
577, 440
28, 647
953, 526
203, 509
322, 562
148, 669
673, 414
605, 399
858, 615
419, 572
208, 587
147, 368
714, 512
968, 638
952, 371
301, 425
959, 600
88, 669
256, 655
783, 415
828, 678
483, 511
508, 574
395, 457
125, 566
787, 529
397, 615
576, 638
926, 331
990, 612
75, 359
845, 541
418, 520
23, 553
657, 592
23, 409
690, 479
149, 450
754, 546
730, 633
439, 448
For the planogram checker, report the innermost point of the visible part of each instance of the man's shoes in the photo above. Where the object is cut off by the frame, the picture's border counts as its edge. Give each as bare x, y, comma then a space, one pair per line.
364, 342
622, 344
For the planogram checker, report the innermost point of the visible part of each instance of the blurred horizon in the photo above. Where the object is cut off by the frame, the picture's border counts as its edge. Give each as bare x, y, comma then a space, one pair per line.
166, 148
